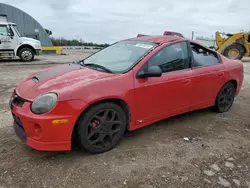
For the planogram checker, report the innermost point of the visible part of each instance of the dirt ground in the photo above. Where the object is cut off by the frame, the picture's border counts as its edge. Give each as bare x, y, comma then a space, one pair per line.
217, 154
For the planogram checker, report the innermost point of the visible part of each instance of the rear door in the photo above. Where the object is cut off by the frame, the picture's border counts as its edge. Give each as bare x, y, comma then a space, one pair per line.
208, 76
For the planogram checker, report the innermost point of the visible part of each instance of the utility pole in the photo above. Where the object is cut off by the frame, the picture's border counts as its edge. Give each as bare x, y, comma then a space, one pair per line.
192, 35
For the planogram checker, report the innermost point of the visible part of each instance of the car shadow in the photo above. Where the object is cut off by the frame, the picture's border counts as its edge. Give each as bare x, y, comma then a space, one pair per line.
129, 135
169, 122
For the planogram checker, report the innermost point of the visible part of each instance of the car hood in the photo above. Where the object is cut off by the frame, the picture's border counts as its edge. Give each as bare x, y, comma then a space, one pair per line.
60, 79
25, 39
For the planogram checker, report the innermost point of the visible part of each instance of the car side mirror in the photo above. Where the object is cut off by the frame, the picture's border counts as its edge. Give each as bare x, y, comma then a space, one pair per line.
10, 34
154, 71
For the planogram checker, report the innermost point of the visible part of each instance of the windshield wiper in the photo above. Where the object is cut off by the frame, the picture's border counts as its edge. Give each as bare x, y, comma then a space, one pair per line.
81, 62
99, 66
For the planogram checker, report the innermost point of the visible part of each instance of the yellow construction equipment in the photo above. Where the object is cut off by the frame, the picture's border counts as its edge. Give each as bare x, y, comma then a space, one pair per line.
233, 46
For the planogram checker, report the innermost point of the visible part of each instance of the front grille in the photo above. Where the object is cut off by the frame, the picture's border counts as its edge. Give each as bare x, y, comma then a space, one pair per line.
17, 120
18, 101
20, 132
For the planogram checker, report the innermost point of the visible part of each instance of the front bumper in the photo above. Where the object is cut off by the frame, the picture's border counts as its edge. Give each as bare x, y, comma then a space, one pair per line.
19, 129
38, 52
40, 132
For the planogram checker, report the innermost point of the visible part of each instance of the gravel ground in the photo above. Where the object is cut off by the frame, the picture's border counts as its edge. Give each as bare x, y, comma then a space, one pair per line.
65, 56
216, 153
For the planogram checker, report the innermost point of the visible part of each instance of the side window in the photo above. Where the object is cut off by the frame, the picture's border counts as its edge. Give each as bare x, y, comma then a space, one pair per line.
11, 33
203, 57
6, 30
3, 30
171, 58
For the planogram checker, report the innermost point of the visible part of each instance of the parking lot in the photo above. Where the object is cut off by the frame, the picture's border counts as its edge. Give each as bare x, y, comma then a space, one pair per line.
217, 153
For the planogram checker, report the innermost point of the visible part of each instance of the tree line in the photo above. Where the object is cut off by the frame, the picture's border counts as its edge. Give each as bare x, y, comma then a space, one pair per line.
74, 42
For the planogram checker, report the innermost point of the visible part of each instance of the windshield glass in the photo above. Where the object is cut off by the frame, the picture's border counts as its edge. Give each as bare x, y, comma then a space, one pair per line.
16, 31
121, 56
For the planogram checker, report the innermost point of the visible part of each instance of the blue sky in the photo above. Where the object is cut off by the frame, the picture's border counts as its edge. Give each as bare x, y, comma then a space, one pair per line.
111, 20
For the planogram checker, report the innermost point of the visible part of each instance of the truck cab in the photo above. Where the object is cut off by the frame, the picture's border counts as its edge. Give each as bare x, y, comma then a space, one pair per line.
13, 45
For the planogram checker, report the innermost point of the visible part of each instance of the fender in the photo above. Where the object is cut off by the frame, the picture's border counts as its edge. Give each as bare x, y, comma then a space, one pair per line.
35, 44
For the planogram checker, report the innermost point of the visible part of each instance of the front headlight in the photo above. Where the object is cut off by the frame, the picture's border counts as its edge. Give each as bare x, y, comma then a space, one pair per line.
37, 46
44, 103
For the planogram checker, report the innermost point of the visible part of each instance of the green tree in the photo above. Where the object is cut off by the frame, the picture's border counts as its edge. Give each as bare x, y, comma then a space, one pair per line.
48, 32
75, 42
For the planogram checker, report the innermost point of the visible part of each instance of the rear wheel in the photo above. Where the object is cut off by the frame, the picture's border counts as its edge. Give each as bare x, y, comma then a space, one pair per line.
101, 127
26, 54
225, 98
234, 51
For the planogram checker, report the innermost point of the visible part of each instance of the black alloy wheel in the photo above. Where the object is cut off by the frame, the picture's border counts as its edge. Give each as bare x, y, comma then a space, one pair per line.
101, 127
225, 98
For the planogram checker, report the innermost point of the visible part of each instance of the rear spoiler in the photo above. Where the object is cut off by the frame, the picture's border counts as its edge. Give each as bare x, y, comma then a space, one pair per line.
141, 35
170, 33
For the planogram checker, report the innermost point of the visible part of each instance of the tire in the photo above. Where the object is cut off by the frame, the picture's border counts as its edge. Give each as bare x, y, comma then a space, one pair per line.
236, 47
26, 54
225, 98
98, 133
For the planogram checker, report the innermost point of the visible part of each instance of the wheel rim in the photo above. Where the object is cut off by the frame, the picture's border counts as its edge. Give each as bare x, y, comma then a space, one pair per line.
226, 98
26, 55
233, 53
103, 128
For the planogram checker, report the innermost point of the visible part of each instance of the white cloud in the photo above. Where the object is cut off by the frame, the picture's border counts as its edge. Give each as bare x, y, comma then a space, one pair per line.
112, 20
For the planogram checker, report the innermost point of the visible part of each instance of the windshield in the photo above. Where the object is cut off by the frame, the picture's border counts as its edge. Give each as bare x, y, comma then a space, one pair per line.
121, 56
16, 31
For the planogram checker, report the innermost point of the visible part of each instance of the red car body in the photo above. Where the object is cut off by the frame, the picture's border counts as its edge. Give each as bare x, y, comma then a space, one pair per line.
147, 100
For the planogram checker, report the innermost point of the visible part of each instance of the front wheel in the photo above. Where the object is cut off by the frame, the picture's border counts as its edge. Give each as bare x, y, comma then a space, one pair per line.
225, 98
101, 127
26, 54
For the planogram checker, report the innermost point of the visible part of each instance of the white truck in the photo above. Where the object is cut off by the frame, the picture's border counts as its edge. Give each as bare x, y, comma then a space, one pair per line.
12, 45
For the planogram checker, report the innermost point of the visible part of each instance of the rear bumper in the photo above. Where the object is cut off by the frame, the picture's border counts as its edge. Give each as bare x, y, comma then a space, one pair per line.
240, 83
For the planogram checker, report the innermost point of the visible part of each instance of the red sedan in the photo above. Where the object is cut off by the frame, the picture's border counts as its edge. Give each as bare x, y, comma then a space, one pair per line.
126, 86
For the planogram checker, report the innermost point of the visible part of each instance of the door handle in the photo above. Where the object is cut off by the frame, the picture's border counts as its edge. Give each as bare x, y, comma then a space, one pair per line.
220, 74
186, 81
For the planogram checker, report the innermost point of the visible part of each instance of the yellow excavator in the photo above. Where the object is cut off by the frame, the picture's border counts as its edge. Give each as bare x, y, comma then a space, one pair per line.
234, 46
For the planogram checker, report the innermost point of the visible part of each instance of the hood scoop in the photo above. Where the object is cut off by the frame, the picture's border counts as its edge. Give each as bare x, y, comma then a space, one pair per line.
54, 72
35, 79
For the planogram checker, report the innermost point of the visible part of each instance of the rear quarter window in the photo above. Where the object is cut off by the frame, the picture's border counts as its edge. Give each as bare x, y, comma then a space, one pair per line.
203, 56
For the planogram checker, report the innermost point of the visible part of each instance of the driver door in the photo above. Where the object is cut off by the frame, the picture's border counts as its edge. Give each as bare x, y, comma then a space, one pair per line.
8, 41
161, 97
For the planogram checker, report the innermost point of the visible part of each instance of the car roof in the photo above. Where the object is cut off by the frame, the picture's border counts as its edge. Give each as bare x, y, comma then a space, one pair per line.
158, 39
161, 39
7, 23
